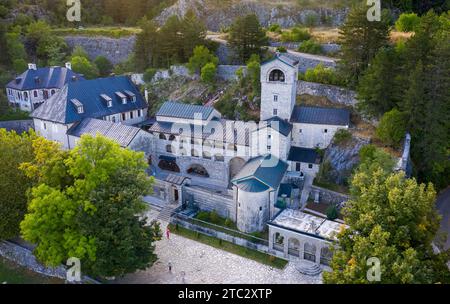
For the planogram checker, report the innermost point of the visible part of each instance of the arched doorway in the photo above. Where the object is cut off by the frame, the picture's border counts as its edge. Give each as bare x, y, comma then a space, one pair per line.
310, 252
198, 170
325, 256
294, 247
278, 242
235, 166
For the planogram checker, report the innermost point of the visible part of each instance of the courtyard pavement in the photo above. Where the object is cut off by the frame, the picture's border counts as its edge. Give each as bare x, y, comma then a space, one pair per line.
195, 263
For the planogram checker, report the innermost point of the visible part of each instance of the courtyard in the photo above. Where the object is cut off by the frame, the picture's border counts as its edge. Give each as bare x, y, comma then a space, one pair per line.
196, 263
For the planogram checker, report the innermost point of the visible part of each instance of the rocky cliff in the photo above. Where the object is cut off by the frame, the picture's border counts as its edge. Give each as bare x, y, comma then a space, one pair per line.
220, 14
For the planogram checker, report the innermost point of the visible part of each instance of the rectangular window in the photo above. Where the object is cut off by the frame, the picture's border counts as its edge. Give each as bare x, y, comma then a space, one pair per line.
131, 115
325, 131
275, 98
298, 167
275, 112
44, 125
269, 148
310, 166
139, 113
124, 116
300, 131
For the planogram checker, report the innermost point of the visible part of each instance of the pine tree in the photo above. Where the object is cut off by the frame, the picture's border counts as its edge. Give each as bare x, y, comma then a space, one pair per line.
247, 37
361, 39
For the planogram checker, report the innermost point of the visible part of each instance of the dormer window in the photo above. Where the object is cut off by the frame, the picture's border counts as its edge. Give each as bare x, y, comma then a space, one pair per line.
131, 96
123, 97
78, 106
107, 100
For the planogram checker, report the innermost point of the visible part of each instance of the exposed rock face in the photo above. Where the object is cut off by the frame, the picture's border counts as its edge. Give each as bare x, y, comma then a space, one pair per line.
116, 50
217, 16
335, 94
343, 158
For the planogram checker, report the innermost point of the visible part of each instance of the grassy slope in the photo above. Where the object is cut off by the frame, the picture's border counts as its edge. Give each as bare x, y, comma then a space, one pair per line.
13, 274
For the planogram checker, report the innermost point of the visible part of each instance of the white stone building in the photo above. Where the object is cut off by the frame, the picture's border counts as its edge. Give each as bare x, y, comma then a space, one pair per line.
114, 99
34, 86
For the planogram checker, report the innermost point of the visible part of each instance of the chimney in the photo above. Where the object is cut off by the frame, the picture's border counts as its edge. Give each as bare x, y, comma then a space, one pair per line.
32, 66
68, 65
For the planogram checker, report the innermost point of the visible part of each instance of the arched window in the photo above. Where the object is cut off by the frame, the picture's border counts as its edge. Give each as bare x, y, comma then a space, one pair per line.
198, 170
194, 153
172, 137
219, 157
53, 92
206, 155
276, 75
162, 136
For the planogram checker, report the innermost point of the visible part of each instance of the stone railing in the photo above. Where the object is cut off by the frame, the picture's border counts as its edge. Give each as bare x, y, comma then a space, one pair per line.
327, 196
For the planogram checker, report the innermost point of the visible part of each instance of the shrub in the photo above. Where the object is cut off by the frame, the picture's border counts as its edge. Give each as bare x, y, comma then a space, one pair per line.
214, 217
281, 49
342, 136
311, 20
228, 223
274, 28
103, 65
203, 216
272, 259
322, 74
296, 34
208, 73
332, 212
407, 22
392, 128
149, 74
311, 47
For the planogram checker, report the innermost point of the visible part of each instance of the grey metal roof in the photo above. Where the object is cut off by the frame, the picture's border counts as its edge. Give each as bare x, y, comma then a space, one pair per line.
122, 134
283, 126
291, 61
89, 93
242, 136
175, 179
267, 169
304, 155
182, 110
322, 116
252, 185
44, 78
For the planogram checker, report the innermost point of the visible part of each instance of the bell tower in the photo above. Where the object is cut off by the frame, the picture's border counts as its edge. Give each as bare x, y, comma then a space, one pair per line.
278, 87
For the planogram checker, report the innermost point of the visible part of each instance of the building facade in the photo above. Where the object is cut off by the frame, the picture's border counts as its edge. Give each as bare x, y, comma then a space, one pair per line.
36, 85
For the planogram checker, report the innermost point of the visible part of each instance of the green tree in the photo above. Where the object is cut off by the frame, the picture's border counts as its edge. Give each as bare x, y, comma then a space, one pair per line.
380, 87
15, 49
193, 32
254, 73
79, 51
104, 66
14, 149
96, 217
310, 46
200, 58
392, 128
393, 219
42, 44
360, 41
407, 22
85, 67
247, 37
145, 49
208, 73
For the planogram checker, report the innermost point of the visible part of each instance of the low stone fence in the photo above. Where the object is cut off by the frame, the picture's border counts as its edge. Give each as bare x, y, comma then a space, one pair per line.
335, 94
19, 126
327, 196
24, 257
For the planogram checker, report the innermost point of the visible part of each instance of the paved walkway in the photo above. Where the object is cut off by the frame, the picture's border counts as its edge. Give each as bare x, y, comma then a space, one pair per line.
196, 263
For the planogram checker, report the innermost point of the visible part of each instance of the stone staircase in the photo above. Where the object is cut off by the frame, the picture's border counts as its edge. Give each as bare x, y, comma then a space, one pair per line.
165, 214
308, 268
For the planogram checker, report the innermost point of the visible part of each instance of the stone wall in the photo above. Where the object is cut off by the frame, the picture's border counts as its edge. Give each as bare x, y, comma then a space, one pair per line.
327, 196
116, 50
228, 72
327, 48
19, 126
310, 61
24, 257
217, 15
335, 94
223, 204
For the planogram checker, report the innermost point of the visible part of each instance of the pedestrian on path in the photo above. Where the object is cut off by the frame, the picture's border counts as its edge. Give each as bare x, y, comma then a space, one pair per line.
170, 267
168, 233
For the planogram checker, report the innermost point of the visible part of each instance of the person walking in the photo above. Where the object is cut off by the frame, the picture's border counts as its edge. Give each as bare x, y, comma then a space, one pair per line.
168, 233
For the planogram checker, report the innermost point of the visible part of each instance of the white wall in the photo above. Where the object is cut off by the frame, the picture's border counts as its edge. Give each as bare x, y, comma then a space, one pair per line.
53, 131
286, 91
313, 135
